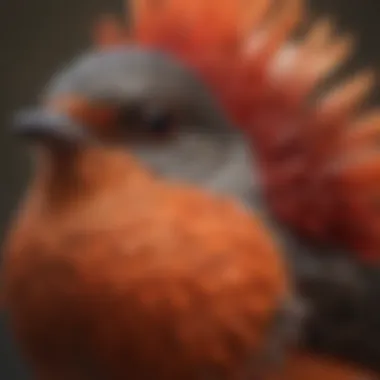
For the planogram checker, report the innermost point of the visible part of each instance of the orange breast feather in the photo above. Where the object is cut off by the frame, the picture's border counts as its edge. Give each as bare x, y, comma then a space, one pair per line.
162, 279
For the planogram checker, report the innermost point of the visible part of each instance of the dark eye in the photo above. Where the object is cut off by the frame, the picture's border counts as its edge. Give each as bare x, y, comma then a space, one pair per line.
158, 122
148, 120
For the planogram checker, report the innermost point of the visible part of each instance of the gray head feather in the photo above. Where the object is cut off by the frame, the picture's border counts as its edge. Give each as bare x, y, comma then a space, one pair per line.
206, 150
137, 75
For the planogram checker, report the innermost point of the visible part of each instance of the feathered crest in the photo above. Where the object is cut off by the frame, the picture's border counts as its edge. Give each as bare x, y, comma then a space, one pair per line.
220, 51
319, 159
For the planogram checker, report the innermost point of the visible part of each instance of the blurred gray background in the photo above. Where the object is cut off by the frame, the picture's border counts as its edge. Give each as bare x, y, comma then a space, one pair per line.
38, 36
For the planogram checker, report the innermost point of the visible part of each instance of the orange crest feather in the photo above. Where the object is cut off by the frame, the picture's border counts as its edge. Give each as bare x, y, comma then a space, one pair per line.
319, 171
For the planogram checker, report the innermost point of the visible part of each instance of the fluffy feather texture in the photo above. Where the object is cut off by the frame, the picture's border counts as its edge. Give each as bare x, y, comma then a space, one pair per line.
319, 167
111, 273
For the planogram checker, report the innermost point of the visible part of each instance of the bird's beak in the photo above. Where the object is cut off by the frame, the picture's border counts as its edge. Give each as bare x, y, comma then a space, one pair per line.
43, 124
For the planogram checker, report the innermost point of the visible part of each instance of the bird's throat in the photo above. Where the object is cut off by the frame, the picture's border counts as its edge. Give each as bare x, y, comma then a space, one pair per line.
64, 175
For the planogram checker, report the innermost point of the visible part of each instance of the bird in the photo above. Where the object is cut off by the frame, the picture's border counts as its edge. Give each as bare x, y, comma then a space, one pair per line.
142, 248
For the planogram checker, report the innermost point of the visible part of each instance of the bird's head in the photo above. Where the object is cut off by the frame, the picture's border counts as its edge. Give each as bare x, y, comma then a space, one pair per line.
138, 98
153, 96
167, 89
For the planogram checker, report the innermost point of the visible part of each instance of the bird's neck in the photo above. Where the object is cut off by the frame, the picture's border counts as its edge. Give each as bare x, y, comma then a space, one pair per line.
67, 174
